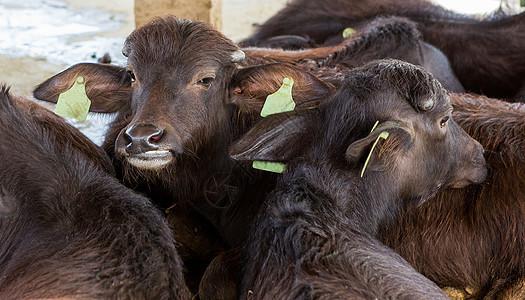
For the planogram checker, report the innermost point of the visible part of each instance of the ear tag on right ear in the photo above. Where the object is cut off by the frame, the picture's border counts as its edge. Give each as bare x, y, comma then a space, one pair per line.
348, 32
74, 102
278, 102
383, 135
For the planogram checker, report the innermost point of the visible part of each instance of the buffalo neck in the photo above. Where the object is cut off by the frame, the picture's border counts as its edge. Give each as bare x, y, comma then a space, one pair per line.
230, 193
369, 201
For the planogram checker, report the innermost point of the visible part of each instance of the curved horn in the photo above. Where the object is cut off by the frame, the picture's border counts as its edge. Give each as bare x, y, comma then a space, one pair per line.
426, 104
238, 56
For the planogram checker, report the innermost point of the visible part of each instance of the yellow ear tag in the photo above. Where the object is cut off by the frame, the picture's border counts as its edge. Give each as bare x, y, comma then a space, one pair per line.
74, 102
348, 32
278, 102
383, 135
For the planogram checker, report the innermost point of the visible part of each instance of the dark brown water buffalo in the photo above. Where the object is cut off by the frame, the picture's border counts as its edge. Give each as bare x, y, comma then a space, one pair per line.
473, 239
179, 106
316, 237
470, 239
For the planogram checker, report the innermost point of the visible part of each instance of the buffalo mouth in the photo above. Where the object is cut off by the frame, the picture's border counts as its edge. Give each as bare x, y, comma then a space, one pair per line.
150, 160
479, 176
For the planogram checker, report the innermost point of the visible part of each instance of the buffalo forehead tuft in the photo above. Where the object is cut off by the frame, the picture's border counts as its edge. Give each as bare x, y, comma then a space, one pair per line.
409, 81
167, 38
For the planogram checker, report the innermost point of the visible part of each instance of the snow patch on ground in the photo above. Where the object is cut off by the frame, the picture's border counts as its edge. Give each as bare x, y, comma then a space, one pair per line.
61, 34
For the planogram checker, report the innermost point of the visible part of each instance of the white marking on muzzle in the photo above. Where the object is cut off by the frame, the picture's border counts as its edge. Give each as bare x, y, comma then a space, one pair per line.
150, 160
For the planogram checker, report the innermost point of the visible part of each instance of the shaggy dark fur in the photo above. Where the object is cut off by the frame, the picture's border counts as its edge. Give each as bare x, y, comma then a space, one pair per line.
487, 56
474, 238
471, 239
391, 37
316, 236
69, 229
65, 134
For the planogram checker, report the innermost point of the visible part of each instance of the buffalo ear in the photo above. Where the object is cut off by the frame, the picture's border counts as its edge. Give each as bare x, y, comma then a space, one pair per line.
376, 149
107, 86
250, 86
278, 137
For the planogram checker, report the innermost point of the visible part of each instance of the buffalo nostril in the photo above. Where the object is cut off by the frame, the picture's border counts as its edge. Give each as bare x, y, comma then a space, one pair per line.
141, 138
154, 138
127, 137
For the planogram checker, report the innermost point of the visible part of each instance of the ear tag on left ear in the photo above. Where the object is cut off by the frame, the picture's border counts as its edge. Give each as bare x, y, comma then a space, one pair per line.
74, 102
383, 135
278, 102
270, 166
348, 32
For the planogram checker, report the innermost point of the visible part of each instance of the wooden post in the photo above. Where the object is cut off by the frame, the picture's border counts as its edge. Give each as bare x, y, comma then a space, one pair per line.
204, 10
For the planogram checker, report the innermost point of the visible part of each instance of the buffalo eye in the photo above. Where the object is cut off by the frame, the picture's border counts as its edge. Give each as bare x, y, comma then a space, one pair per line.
131, 76
205, 82
444, 121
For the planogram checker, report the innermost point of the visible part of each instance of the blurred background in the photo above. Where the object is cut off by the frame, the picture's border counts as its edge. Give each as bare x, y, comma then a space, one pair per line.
39, 38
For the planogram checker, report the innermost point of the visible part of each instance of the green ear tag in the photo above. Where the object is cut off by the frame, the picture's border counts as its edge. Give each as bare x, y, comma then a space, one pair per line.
348, 32
270, 166
280, 101
74, 102
383, 135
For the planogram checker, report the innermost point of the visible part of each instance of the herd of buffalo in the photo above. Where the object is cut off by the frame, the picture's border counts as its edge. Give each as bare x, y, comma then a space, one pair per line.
404, 177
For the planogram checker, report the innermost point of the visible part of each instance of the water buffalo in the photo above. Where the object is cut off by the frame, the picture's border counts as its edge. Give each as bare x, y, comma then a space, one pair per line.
469, 241
473, 239
317, 235
178, 110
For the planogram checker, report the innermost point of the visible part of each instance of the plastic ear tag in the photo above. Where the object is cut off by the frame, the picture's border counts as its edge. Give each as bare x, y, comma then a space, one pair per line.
383, 135
270, 166
348, 32
74, 102
280, 101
